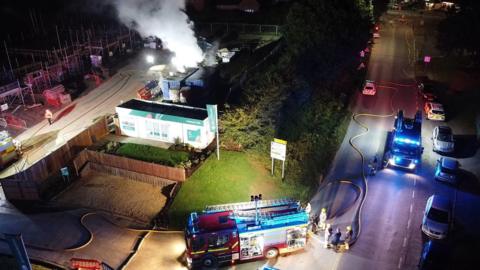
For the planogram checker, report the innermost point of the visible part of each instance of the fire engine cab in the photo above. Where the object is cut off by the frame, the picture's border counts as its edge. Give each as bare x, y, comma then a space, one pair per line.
245, 231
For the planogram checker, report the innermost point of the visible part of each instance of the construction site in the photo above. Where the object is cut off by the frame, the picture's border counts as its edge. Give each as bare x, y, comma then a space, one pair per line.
61, 90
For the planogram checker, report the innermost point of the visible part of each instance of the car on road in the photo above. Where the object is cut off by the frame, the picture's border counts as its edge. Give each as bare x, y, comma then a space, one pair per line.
369, 88
437, 217
435, 255
447, 170
434, 111
442, 138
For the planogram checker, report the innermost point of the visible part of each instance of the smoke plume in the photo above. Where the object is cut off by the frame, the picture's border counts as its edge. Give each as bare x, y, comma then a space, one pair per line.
166, 20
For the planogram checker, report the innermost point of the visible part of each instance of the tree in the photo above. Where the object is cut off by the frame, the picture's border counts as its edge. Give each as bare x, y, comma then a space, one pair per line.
320, 34
460, 31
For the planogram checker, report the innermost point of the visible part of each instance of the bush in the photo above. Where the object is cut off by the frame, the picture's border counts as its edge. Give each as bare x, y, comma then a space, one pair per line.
153, 154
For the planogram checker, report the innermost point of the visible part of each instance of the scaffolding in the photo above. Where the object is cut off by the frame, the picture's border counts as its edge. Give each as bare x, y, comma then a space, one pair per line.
13, 95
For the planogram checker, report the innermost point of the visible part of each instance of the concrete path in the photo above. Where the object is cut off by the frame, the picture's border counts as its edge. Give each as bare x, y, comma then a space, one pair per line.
76, 117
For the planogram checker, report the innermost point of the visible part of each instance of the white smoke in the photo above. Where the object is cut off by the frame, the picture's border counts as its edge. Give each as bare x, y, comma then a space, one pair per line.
166, 20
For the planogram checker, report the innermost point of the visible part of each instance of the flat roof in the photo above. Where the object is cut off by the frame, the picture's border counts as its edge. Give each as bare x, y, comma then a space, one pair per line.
164, 108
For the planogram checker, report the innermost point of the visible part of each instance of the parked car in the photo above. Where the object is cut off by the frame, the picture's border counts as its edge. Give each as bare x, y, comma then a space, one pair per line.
369, 88
434, 111
442, 138
447, 170
437, 217
435, 255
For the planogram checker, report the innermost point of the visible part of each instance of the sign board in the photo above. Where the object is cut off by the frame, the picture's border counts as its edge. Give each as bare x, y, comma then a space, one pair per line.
213, 121
4, 107
278, 149
212, 117
427, 59
193, 135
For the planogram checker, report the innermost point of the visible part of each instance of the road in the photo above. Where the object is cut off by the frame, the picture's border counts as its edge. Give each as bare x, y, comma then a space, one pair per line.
390, 236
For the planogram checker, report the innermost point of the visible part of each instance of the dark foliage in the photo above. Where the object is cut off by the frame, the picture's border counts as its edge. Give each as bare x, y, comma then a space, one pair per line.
301, 96
459, 33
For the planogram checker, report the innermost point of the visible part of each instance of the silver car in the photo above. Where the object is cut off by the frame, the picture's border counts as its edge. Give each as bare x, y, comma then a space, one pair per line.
437, 217
447, 170
443, 139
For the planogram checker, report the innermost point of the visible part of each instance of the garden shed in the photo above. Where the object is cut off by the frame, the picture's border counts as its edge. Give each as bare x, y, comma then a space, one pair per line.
165, 122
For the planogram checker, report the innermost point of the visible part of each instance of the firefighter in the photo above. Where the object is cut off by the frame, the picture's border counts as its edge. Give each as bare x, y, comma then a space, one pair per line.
348, 237
336, 238
49, 116
323, 219
328, 234
308, 208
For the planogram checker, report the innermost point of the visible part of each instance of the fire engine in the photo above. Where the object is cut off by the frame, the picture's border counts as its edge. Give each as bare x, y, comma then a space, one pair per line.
405, 149
243, 231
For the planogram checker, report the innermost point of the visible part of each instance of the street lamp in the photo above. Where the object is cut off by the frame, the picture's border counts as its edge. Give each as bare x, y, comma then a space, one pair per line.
150, 59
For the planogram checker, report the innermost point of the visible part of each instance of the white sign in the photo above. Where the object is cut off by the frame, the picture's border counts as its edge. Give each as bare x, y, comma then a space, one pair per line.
427, 59
278, 149
4, 107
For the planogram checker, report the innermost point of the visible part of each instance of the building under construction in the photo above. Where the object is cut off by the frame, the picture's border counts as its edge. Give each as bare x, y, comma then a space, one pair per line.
35, 73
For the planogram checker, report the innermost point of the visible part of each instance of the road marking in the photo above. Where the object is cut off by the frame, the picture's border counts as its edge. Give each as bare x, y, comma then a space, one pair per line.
408, 223
400, 263
411, 208
414, 181
413, 194
404, 241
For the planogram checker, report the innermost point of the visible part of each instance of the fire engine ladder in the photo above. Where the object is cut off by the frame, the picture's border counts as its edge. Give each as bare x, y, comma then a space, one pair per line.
250, 205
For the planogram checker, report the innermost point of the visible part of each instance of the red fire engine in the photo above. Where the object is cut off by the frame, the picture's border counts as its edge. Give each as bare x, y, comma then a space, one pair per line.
245, 231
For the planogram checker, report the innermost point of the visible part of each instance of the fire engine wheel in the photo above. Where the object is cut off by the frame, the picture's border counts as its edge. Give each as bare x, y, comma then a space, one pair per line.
209, 261
271, 253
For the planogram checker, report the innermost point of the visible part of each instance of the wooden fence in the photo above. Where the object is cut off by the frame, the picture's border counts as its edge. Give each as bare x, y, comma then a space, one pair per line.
128, 164
29, 184
140, 177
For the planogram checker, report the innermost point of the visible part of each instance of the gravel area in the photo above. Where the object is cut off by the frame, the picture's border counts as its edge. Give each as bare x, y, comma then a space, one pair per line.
115, 194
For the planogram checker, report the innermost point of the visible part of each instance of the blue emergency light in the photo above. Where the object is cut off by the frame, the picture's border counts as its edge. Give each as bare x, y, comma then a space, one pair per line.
406, 140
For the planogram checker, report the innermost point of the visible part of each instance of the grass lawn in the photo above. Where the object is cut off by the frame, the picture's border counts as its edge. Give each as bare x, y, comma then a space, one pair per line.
232, 179
152, 154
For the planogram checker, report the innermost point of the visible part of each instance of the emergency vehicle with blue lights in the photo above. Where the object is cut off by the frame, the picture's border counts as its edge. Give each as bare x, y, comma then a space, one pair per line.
405, 149
244, 231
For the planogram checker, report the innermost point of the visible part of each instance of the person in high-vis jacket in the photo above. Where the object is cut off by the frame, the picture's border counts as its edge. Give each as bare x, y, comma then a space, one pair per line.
49, 116
322, 219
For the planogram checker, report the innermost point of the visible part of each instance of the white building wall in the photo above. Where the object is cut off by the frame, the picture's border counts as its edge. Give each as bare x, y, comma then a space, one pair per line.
165, 131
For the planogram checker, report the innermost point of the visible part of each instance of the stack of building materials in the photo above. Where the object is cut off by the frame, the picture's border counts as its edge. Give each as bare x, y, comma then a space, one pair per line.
170, 82
53, 96
144, 93
149, 91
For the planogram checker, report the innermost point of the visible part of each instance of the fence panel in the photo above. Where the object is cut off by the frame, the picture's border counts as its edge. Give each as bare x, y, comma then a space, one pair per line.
140, 177
138, 166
